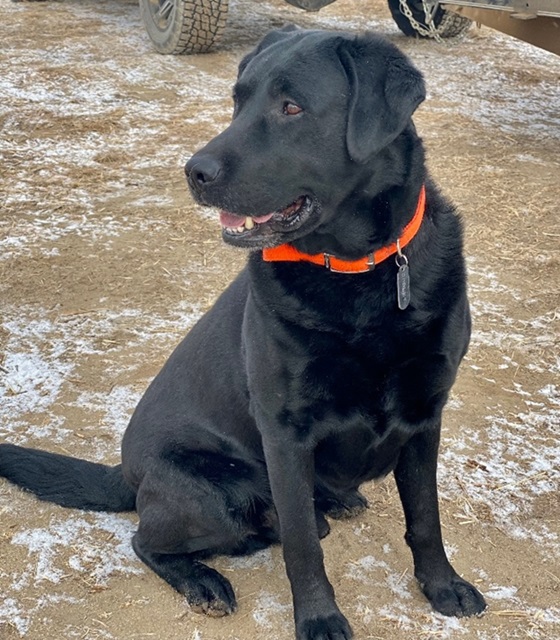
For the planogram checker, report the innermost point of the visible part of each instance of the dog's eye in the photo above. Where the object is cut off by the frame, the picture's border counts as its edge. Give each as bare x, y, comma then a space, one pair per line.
291, 109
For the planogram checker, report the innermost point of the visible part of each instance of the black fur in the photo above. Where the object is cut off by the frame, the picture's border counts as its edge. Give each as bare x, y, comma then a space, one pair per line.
299, 384
67, 481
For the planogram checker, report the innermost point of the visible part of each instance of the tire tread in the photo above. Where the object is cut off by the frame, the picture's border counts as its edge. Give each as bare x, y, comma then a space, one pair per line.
197, 26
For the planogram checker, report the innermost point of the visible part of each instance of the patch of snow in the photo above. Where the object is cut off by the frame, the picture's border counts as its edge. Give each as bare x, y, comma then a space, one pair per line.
20, 615
519, 462
99, 558
269, 612
364, 569
433, 624
260, 560
501, 593
41, 355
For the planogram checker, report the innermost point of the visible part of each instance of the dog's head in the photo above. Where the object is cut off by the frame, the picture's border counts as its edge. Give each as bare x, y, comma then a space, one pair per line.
312, 111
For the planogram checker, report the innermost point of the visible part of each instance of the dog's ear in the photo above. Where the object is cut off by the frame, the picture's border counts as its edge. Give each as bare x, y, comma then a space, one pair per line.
270, 38
385, 90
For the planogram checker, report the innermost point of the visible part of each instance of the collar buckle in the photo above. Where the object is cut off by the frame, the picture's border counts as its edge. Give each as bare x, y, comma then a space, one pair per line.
369, 264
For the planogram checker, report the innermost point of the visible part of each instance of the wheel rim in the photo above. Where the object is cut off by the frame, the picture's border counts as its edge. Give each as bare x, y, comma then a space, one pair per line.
162, 13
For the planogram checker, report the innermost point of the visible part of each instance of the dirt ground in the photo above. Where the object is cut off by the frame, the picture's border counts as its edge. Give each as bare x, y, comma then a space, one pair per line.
105, 263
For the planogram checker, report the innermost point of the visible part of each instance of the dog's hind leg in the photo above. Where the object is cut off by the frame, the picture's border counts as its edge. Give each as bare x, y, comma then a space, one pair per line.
186, 516
206, 590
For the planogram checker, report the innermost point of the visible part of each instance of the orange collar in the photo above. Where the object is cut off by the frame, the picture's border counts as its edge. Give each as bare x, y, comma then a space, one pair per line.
288, 253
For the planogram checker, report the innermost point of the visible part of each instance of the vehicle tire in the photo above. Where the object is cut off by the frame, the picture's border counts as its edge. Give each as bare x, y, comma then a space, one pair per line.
447, 23
184, 26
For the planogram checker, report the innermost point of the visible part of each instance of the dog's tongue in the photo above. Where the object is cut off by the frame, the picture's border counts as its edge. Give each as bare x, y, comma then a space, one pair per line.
228, 219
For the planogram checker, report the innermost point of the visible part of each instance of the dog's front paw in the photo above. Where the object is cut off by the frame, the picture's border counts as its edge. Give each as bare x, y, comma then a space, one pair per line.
331, 627
456, 598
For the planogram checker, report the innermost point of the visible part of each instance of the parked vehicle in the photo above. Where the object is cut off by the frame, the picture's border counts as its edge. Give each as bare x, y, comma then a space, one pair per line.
535, 21
195, 26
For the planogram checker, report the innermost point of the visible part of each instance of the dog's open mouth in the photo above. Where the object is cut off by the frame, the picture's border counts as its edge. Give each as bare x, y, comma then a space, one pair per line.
262, 230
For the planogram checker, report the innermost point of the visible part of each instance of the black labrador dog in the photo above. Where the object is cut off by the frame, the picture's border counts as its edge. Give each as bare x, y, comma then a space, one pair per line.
328, 360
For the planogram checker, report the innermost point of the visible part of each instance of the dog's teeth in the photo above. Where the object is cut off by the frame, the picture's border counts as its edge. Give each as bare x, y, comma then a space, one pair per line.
249, 223
236, 230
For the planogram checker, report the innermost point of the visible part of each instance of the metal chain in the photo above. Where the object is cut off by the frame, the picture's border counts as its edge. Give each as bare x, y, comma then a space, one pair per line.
431, 30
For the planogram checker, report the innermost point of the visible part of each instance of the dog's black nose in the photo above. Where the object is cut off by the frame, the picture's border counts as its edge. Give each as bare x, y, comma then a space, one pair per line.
202, 169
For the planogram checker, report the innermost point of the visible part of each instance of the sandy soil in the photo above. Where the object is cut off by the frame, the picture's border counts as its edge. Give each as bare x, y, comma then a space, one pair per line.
105, 263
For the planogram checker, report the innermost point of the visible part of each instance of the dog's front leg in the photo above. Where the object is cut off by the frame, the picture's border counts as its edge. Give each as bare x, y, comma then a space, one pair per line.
291, 472
417, 483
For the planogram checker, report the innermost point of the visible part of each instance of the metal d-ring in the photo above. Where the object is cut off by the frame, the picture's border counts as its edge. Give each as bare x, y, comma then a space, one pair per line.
400, 256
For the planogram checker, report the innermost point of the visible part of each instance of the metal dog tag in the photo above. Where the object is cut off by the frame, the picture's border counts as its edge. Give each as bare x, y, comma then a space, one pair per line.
403, 287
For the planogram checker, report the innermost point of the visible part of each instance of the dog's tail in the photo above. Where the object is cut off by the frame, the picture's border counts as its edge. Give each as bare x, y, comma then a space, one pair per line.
69, 482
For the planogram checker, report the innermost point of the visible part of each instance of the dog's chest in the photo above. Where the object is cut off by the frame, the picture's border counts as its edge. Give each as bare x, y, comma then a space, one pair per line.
338, 387
363, 374
356, 407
